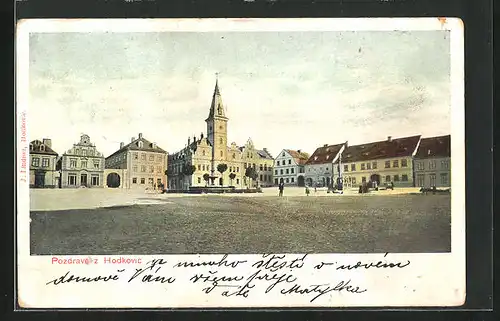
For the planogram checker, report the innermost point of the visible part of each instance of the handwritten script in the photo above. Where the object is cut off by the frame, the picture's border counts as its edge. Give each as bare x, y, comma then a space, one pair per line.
286, 275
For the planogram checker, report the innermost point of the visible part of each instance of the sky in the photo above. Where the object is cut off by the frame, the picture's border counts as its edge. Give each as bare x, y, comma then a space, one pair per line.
284, 90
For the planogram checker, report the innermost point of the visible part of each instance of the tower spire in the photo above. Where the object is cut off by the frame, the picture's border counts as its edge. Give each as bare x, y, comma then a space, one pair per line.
216, 107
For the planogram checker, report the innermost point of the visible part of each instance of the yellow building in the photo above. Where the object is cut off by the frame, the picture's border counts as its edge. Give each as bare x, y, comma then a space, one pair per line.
199, 162
139, 164
383, 162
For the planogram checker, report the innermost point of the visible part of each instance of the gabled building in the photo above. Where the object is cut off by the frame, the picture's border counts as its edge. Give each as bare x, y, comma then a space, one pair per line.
43, 161
82, 165
320, 167
289, 167
139, 164
384, 162
206, 153
432, 162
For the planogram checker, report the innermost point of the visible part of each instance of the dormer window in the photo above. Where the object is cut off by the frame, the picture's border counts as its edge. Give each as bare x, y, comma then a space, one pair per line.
327, 156
42, 148
140, 144
315, 157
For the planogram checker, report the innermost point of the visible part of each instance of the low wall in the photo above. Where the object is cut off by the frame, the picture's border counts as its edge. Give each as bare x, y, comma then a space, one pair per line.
215, 190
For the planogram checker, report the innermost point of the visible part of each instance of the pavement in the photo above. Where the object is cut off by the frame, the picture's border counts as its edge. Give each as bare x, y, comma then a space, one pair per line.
88, 198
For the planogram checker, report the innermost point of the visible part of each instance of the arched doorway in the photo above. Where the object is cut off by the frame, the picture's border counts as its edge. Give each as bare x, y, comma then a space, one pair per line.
309, 181
301, 181
113, 180
375, 178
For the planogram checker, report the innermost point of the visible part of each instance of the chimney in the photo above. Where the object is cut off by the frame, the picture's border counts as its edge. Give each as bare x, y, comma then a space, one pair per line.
132, 139
122, 144
140, 135
47, 142
325, 145
189, 141
194, 138
389, 138
201, 136
346, 143
298, 151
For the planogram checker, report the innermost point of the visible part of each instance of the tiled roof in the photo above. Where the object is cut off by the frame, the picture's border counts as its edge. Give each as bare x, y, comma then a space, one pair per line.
147, 146
324, 154
37, 148
399, 147
434, 147
264, 154
299, 156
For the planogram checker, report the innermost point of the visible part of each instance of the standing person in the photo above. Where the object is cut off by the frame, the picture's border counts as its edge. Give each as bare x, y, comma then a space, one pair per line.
281, 187
307, 190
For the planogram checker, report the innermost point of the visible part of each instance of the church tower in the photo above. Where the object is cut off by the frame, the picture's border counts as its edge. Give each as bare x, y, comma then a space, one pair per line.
217, 126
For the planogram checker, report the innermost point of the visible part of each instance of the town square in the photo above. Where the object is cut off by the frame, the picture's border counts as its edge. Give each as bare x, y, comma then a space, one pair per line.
205, 149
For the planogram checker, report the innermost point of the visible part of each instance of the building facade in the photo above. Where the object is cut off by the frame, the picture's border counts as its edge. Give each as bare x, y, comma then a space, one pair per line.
82, 165
320, 169
432, 162
206, 155
289, 167
43, 161
139, 164
383, 162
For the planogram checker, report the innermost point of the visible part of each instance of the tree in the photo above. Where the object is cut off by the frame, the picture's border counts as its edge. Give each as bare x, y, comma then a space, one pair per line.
251, 173
232, 176
206, 177
188, 170
221, 168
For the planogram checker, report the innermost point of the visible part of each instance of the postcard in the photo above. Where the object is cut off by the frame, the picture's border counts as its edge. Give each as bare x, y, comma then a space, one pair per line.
240, 163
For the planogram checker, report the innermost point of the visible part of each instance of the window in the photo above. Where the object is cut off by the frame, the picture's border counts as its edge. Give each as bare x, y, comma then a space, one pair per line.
96, 164
159, 158
420, 180
432, 179
31, 146
287, 171
84, 152
221, 154
134, 169
35, 162
199, 180
253, 166
420, 166
221, 141
143, 156
152, 169
395, 163
150, 181
158, 169
203, 166
94, 180
292, 170
143, 181
404, 163
287, 180
404, 177
353, 180
203, 152
374, 165
151, 158
444, 178
275, 172
77, 151
84, 164
45, 162
396, 178
353, 167
134, 180
238, 169
444, 164
260, 177
387, 164
234, 155
363, 166
281, 171
260, 167
283, 154
276, 181
237, 181
143, 168
289, 162
346, 168
72, 162
265, 167
72, 179
432, 165
292, 180
368, 166
136, 156
388, 178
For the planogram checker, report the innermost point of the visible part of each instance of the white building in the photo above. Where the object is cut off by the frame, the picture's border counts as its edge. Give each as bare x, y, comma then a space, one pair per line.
320, 168
432, 162
289, 167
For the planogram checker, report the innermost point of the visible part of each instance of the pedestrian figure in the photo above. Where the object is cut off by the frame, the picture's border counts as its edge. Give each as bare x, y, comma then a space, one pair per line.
281, 187
307, 190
